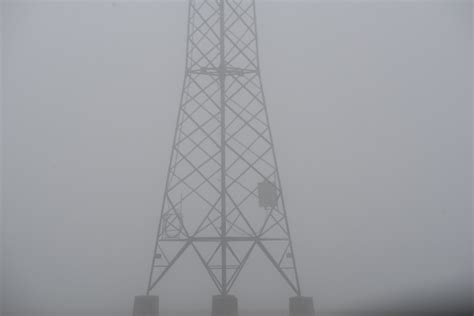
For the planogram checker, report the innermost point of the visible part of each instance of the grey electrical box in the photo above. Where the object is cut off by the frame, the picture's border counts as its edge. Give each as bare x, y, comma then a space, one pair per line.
267, 194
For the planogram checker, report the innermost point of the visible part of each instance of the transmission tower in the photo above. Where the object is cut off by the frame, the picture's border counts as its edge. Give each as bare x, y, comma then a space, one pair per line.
223, 198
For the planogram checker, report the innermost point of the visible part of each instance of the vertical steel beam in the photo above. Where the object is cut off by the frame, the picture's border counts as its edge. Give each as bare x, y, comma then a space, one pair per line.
222, 74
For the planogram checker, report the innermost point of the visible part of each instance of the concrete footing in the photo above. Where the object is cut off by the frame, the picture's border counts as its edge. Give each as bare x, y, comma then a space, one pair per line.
145, 305
224, 305
301, 306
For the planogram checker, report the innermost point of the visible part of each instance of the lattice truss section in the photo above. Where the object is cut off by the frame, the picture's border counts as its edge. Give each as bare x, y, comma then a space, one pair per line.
255, 215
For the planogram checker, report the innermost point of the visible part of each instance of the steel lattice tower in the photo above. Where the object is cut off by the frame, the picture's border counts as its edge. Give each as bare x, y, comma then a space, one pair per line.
223, 196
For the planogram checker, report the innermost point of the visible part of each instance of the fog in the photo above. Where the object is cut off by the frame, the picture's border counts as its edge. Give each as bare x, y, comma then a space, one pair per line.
370, 105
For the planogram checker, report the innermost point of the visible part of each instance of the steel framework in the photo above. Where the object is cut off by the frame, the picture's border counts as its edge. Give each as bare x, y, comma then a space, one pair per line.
223, 159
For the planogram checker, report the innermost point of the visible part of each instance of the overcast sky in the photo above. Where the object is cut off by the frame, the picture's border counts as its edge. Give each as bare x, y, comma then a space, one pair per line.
370, 108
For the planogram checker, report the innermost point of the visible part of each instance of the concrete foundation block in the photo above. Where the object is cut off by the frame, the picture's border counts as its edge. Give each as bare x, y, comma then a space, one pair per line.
145, 305
301, 306
224, 305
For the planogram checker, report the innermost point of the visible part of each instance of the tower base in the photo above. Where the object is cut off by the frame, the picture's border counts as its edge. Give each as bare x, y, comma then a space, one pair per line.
224, 305
145, 305
301, 306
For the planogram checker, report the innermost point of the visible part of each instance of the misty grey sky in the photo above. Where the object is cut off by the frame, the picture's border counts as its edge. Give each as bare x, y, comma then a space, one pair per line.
370, 108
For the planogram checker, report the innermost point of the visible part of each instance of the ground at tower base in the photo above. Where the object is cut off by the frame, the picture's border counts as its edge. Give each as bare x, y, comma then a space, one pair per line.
227, 305
222, 305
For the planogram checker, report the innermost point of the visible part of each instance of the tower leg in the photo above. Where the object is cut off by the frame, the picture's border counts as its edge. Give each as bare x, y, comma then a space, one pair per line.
145, 305
301, 306
224, 305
